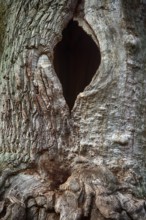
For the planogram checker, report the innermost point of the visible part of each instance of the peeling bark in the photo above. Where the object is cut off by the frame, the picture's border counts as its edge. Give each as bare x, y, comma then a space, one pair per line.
88, 162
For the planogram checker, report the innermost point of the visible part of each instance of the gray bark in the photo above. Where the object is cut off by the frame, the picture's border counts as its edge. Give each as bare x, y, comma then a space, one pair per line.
88, 163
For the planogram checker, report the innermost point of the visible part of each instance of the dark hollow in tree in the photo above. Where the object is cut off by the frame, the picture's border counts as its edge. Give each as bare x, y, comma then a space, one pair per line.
76, 59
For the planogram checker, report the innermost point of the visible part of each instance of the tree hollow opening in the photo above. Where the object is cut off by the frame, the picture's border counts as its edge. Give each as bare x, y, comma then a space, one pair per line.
76, 59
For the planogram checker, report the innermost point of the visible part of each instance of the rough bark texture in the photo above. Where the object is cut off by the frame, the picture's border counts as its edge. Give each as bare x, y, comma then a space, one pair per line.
88, 163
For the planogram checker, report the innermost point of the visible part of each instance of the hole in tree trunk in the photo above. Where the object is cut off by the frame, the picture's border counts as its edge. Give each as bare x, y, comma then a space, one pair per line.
76, 59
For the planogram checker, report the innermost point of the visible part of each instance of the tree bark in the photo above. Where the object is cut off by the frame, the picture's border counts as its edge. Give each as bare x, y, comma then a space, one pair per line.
87, 162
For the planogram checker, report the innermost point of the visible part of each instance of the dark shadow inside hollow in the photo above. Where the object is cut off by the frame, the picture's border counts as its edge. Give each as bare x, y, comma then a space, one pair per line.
76, 59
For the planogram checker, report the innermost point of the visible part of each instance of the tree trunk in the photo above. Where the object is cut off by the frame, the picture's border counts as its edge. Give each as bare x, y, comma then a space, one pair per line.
73, 109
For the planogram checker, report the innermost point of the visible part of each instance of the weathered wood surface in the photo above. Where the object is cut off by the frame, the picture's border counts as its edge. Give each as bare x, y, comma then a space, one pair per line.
90, 163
